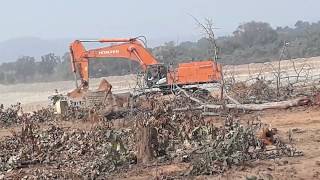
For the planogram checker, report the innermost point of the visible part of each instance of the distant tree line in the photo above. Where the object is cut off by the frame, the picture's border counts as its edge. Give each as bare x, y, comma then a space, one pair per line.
26, 69
250, 42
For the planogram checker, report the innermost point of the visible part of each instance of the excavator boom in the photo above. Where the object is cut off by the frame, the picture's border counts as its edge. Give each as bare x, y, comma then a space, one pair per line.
131, 49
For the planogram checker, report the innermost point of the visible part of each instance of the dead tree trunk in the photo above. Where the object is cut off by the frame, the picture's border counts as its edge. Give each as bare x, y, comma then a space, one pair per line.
254, 107
146, 140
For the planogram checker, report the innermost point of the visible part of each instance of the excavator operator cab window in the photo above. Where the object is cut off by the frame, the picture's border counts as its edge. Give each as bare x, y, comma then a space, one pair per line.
156, 75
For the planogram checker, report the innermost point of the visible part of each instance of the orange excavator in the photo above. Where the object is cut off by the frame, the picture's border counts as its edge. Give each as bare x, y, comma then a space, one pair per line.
155, 74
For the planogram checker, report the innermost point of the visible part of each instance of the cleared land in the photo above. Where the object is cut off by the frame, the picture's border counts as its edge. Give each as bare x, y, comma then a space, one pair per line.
35, 95
304, 122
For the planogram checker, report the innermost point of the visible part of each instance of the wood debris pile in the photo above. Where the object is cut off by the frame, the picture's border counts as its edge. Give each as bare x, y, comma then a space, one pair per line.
15, 115
90, 154
210, 148
161, 130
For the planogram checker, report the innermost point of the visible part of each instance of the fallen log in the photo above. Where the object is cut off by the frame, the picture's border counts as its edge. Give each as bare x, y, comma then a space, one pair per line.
271, 105
188, 96
253, 107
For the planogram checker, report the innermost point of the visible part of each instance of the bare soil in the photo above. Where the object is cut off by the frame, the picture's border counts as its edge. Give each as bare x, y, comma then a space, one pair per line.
35, 95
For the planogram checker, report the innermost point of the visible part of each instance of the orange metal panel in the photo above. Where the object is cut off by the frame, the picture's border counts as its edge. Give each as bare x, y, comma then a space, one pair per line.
195, 72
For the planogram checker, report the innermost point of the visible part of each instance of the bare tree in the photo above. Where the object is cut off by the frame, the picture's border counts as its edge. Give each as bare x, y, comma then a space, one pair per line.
207, 28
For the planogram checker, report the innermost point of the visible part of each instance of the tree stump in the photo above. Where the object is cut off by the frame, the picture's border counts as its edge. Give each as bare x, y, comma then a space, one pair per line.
146, 143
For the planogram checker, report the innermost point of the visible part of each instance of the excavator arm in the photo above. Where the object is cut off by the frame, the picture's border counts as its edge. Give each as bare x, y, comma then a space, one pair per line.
131, 49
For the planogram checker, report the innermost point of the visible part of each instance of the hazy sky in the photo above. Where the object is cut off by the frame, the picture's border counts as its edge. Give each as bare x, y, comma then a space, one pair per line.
156, 19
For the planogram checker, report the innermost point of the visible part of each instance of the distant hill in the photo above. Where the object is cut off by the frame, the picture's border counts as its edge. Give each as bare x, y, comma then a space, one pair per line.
11, 49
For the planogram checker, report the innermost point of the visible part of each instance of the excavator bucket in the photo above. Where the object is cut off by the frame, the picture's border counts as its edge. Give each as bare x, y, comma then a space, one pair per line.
105, 86
100, 95
80, 93
77, 93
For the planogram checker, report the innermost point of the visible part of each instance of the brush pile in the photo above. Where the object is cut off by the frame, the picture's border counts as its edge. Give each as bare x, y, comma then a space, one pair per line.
90, 154
210, 147
158, 134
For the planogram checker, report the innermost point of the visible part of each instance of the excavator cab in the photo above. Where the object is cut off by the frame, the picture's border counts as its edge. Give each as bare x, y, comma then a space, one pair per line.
156, 75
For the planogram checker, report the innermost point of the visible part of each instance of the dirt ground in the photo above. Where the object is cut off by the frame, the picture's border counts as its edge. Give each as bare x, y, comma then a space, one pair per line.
303, 121
35, 95
305, 125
